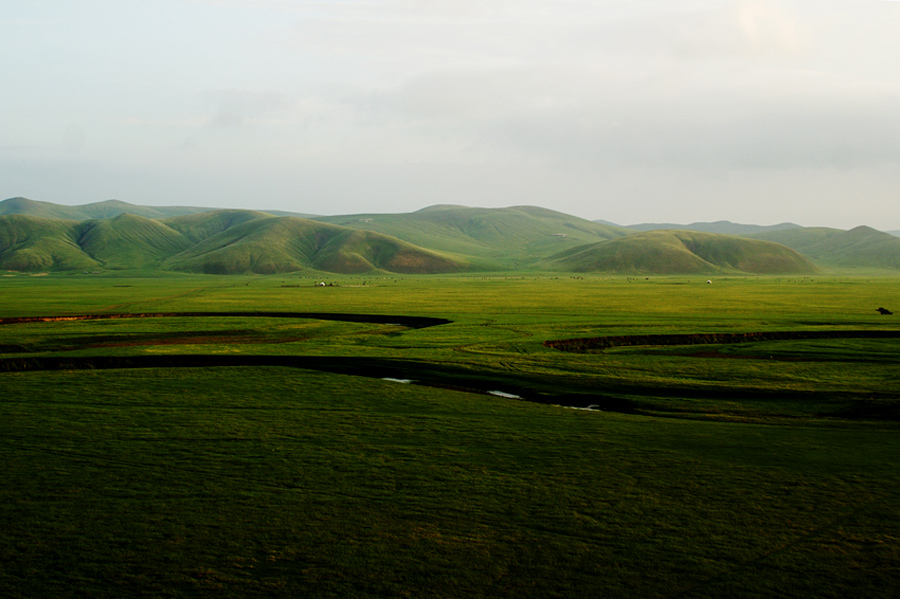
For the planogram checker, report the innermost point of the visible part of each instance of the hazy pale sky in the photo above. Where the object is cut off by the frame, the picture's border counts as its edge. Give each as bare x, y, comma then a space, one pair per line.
755, 111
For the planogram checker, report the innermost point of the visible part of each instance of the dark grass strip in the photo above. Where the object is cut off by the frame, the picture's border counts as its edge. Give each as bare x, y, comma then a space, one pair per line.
627, 398
586, 344
413, 322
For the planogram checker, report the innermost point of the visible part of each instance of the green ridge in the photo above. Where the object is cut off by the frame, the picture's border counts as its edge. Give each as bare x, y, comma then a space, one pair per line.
861, 247
30, 244
683, 252
437, 239
128, 241
498, 238
198, 227
286, 244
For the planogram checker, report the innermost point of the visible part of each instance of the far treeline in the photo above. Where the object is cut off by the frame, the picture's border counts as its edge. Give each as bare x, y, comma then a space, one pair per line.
117, 236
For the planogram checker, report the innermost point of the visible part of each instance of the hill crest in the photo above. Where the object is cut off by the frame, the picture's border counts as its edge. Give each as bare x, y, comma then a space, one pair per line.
439, 238
667, 252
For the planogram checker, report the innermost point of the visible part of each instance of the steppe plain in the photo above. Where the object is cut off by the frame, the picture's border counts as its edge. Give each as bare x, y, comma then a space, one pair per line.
212, 448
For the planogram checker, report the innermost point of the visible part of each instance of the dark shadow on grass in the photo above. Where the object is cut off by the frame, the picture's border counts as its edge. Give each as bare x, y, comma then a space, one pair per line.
413, 322
445, 376
623, 398
587, 344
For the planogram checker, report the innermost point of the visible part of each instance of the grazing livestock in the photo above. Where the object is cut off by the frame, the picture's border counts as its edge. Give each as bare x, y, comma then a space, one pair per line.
883, 311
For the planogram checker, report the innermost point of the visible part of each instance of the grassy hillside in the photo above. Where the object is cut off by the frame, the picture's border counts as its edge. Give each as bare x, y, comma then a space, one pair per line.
278, 244
286, 244
95, 210
436, 239
861, 247
363, 251
493, 237
26, 207
723, 227
198, 227
31, 244
682, 252
217, 242
129, 241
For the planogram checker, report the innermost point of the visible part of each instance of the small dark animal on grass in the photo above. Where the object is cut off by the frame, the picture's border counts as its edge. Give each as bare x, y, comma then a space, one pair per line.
883, 311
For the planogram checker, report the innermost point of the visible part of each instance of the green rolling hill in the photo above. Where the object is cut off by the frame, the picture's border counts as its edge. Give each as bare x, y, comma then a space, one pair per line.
219, 242
26, 207
860, 247
96, 210
32, 244
200, 226
360, 251
40, 236
128, 241
287, 243
724, 227
495, 238
108, 209
261, 245
682, 252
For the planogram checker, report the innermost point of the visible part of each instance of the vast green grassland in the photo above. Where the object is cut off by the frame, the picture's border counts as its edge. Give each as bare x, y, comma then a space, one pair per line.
288, 466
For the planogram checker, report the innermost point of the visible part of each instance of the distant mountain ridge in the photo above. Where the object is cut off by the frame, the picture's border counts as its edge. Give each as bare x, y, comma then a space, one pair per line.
104, 209
721, 226
41, 236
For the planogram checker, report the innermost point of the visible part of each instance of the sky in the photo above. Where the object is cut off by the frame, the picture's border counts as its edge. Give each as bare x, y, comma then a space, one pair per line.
631, 111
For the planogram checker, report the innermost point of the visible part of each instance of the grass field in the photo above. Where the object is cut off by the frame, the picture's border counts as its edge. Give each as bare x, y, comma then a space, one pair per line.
289, 467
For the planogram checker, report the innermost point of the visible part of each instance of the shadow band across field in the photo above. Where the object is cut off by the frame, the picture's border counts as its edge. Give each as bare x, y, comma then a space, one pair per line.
447, 376
413, 322
622, 396
585, 344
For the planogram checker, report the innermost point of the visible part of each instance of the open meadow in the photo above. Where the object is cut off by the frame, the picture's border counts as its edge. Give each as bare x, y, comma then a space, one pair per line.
251, 436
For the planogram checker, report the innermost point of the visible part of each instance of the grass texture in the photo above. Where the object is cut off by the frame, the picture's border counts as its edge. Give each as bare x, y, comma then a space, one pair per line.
737, 470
